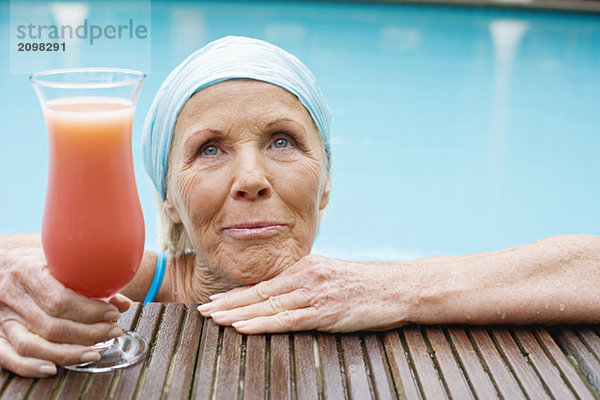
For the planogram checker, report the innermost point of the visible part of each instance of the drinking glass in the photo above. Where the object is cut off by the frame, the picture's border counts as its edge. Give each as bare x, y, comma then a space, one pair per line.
93, 227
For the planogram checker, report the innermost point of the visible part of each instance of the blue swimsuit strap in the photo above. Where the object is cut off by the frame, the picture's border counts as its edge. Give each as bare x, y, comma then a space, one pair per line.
159, 274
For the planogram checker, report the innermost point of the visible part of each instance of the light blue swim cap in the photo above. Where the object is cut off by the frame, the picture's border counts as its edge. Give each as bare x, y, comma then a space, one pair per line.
228, 58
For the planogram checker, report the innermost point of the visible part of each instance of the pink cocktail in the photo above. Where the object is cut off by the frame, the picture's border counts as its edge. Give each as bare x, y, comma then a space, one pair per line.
93, 227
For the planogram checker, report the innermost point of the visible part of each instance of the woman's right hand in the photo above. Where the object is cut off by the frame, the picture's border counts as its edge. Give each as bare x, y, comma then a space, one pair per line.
43, 323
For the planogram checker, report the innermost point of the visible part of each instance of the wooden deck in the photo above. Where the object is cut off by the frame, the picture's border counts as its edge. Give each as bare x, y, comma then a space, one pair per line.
191, 357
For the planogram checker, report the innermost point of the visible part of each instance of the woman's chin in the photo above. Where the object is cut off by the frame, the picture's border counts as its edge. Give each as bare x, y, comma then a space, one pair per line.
253, 265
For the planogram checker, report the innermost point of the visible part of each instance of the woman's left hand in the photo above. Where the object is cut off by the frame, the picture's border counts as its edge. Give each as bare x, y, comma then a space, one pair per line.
317, 293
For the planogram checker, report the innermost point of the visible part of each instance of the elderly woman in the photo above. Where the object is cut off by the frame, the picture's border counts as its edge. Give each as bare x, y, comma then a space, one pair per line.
237, 145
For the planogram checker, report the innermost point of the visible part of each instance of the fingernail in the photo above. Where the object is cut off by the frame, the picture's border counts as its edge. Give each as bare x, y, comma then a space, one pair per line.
218, 314
216, 296
112, 316
204, 309
240, 324
124, 298
89, 356
115, 332
48, 369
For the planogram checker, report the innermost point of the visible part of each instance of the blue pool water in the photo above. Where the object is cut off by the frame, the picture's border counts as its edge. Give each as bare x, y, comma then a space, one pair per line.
455, 130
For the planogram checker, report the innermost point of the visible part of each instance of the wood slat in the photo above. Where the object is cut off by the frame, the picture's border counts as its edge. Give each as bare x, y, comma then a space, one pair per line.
280, 374
164, 349
401, 373
46, 386
426, 373
17, 388
450, 370
548, 372
330, 367
382, 383
129, 317
73, 385
505, 381
101, 382
566, 368
525, 374
354, 365
591, 340
478, 378
229, 366
304, 361
5, 376
206, 363
586, 362
146, 327
185, 358
254, 377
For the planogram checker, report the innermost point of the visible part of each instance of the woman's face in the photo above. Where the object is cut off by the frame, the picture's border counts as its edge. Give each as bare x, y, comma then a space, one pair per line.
247, 178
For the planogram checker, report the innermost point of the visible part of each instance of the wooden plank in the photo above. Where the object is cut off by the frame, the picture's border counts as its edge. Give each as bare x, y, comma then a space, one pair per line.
128, 318
548, 372
425, 369
526, 375
229, 368
45, 387
304, 361
5, 376
591, 339
164, 349
100, 385
404, 379
101, 382
185, 359
73, 385
566, 368
206, 362
254, 377
146, 327
478, 378
586, 362
330, 366
17, 388
450, 370
280, 374
505, 381
381, 380
354, 364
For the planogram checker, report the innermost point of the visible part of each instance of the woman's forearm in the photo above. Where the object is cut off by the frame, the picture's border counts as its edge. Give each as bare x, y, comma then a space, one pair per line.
554, 280
11, 241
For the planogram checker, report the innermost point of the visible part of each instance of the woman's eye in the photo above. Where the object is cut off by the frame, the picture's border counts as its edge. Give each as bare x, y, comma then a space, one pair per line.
210, 150
281, 143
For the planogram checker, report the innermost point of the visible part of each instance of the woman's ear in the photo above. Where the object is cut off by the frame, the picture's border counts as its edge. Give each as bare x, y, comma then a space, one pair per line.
171, 211
325, 195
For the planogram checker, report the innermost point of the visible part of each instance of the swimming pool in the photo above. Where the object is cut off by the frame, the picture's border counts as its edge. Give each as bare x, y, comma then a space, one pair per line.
455, 129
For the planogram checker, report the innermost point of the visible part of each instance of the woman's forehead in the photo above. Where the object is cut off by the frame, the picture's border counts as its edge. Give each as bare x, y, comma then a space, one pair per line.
238, 101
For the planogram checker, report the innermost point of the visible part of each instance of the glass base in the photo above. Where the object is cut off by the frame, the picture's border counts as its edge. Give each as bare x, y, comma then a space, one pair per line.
121, 352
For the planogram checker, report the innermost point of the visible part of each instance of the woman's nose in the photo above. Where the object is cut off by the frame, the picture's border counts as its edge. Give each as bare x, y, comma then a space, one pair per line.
251, 181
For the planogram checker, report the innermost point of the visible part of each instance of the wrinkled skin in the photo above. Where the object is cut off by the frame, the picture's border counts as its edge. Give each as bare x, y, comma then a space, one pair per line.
316, 293
244, 152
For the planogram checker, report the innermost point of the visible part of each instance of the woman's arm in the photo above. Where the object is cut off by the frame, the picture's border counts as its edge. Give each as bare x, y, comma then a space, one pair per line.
553, 280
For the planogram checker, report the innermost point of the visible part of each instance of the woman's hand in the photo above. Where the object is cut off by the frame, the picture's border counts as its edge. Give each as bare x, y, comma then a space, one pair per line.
317, 293
44, 324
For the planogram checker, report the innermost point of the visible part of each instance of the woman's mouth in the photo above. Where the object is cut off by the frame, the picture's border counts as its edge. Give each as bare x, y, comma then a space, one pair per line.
257, 230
